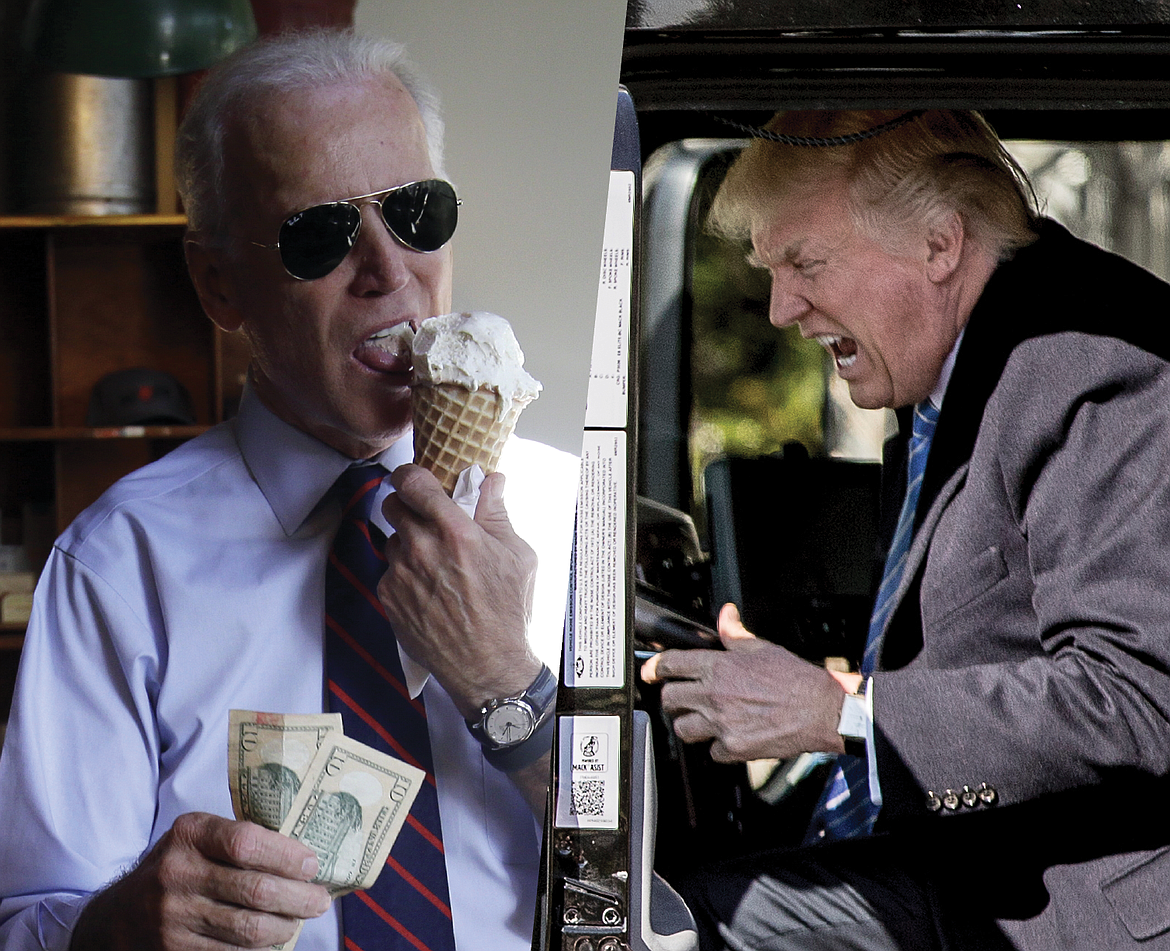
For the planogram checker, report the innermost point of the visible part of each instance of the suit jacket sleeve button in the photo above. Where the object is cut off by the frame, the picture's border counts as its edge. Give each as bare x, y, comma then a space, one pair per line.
970, 797
933, 803
987, 794
950, 800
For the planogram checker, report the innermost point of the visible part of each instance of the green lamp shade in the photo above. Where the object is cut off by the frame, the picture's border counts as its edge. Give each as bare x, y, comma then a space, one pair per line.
136, 38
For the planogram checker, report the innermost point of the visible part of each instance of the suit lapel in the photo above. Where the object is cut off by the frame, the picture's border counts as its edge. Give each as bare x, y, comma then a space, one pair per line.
992, 331
1031, 295
911, 578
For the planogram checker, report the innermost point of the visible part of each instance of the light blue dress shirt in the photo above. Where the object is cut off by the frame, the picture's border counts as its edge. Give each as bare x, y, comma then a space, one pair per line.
195, 586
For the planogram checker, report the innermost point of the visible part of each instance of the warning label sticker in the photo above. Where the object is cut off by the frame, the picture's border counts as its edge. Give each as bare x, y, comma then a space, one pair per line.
588, 776
595, 646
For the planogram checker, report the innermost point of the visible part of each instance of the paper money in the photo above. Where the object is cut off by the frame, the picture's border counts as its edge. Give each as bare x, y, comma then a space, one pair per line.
298, 774
269, 757
350, 809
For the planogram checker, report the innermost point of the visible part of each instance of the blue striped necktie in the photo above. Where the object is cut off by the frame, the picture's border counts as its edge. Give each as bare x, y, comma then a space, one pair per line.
408, 908
845, 809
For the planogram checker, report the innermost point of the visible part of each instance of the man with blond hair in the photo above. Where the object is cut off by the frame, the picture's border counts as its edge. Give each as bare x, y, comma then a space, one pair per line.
1011, 713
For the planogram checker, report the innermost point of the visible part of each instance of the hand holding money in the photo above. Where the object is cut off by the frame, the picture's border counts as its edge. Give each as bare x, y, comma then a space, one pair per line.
207, 880
300, 775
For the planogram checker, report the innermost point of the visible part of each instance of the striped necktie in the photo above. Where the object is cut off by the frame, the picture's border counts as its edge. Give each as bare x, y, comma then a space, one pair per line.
408, 907
845, 809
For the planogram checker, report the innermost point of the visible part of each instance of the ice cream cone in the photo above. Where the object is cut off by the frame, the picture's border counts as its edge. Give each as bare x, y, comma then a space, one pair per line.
469, 388
455, 427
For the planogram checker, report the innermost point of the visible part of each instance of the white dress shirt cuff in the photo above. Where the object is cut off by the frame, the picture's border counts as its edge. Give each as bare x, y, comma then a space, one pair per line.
875, 789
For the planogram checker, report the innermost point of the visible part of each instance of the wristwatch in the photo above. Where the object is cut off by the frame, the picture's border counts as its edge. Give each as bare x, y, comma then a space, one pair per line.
506, 724
854, 720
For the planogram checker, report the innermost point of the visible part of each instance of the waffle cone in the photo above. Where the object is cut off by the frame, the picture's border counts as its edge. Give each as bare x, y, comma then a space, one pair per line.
455, 427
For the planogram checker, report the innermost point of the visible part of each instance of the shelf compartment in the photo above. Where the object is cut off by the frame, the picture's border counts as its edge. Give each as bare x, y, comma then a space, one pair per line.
24, 337
122, 298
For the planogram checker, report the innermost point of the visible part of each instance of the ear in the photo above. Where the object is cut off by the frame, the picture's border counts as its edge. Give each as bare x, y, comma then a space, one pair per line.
212, 284
944, 247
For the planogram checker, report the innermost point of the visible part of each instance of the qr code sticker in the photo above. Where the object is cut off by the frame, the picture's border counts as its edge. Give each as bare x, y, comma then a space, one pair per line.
588, 798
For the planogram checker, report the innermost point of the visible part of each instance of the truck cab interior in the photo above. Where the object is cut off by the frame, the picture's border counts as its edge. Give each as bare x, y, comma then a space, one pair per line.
757, 480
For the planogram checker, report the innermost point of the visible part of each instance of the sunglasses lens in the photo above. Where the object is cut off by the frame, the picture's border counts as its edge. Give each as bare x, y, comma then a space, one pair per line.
422, 215
314, 241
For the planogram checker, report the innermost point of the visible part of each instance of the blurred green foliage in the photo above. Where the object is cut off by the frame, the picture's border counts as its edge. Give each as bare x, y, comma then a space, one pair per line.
754, 388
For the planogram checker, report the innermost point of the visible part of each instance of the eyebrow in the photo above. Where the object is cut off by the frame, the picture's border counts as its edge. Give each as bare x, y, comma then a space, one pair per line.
790, 255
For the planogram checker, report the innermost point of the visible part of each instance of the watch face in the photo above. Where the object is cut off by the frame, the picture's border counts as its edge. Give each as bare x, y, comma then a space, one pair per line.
508, 724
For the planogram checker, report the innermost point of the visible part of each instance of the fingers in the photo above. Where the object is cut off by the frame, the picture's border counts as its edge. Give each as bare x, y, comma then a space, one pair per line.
253, 867
208, 881
680, 697
695, 664
459, 590
693, 728
427, 524
679, 665
684, 697
417, 493
246, 846
236, 927
490, 513
695, 721
731, 627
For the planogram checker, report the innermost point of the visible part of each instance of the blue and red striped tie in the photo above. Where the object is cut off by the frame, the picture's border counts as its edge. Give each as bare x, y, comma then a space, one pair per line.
408, 908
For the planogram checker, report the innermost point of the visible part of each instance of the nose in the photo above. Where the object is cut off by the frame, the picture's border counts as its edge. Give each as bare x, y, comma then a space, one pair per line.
785, 307
381, 264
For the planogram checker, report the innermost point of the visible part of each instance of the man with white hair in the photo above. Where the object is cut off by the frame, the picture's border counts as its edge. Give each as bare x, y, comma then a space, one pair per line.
311, 170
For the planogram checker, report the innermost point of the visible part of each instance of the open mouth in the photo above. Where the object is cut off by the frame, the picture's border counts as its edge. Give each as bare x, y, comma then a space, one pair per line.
843, 349
388, 350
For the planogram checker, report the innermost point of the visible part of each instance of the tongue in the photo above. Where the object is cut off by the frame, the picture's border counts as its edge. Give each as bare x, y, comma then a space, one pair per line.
386, 359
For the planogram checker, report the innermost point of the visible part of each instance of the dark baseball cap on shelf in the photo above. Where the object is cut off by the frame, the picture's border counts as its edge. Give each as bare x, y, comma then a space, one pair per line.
139, 397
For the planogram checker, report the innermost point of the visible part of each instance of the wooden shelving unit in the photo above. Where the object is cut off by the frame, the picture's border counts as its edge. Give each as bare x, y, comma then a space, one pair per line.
81, 297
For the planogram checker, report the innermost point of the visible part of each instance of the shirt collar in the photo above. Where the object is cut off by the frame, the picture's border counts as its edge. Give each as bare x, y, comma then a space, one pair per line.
293, 469
944, 377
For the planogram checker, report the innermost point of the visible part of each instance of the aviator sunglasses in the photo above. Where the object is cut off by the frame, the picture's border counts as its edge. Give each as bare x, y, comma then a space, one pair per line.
420, 215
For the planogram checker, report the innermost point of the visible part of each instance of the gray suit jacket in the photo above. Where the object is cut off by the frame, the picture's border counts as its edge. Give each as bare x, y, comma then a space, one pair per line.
1029, 657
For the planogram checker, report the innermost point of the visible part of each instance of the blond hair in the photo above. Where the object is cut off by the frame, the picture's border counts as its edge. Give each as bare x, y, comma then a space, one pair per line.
937, 162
